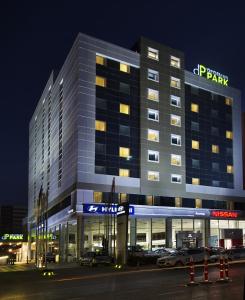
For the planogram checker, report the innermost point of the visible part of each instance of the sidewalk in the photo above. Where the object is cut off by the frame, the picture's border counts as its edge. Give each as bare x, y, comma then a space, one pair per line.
18, 266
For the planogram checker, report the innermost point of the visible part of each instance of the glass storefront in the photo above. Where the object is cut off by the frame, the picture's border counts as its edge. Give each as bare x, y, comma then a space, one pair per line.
188, 233
227, 233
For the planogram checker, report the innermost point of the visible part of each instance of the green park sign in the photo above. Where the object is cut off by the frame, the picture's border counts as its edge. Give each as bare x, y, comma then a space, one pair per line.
212, 75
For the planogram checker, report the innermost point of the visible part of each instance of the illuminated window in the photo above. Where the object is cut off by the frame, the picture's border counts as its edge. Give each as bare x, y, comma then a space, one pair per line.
175, 160
100, 125
228, 101
153, 53
152, 95
124, 68
174, 62
198, 203
153, 135
124, 109
124, 172
153, 75
175, 140
123, 197
175, 101
149, 200
153, 176
153, 115
176, 178
195, 181
124, 152
175, 120
175, 82
100, 81
215, 148
97, 197
194, 107
229, 134
100, 60
229, 169
178, 201
195, 144
153, 156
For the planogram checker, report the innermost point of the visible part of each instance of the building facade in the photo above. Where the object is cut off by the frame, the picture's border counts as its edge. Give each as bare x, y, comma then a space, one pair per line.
169, 137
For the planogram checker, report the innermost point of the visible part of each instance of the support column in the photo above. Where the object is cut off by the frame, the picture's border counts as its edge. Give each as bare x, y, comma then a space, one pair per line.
80, 236
133, 230
169, 243
207, 232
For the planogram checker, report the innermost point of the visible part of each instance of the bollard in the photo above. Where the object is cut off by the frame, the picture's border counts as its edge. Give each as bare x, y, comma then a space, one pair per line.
192, 273
221, 270
244, 289
227, 269
205, 273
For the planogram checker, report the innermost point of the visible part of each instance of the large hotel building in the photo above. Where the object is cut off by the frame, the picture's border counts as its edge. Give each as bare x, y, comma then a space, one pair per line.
171, 138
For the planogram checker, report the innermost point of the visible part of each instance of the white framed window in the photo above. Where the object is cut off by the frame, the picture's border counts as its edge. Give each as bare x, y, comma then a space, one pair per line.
153, 75
175, 160
175, 120
153, 115
175, 62
175, 140
175, 82
175, 101
152, 95
153, 53
176, 178
153, 176
153, 156
153, 135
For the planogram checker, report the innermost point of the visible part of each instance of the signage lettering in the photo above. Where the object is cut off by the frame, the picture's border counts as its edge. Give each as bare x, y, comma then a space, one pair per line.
212, 75
12, 237
103, 209
224, 214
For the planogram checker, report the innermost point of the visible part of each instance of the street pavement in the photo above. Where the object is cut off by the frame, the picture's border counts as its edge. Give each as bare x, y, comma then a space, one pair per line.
107, 283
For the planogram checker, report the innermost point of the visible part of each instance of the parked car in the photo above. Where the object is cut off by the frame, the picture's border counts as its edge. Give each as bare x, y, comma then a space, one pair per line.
236, 253
95, 259
164, 251
183, 257
215, 253
50, 257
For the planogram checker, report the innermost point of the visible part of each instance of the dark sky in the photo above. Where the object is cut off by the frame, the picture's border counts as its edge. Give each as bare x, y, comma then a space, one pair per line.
37, 35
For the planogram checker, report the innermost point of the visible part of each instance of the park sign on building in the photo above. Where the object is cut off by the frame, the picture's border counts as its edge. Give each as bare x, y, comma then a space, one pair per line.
210, 74
15, 237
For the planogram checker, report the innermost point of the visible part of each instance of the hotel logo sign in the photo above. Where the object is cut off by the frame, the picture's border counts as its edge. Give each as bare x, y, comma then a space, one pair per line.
212, 75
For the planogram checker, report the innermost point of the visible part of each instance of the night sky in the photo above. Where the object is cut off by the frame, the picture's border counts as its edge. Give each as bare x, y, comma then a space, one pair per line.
37, 35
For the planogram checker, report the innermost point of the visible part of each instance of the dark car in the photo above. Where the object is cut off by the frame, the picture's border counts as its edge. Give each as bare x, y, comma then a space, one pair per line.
236, 253
95, 259
50, 257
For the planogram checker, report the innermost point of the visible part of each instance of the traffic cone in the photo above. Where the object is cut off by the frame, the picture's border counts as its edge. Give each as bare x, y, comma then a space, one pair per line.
221, 270
205, 273
192, 273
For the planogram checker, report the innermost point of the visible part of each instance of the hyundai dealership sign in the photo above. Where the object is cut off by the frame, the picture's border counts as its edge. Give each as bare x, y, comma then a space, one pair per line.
102, 209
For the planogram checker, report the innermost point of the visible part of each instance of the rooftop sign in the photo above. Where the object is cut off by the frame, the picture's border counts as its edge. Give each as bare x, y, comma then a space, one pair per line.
212, 75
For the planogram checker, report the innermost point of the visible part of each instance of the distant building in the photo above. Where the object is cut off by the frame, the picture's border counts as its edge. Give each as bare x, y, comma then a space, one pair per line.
11, 219
171, 138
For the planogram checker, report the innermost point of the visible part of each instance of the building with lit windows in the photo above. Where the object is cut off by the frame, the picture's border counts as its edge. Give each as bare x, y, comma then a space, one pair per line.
171, 139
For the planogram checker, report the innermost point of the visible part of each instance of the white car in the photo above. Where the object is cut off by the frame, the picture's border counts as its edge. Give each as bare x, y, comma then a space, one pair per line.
182, 257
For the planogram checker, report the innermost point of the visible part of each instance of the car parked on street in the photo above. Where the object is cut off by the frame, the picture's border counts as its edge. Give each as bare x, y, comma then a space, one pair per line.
236, 253
183, 257
95, 258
